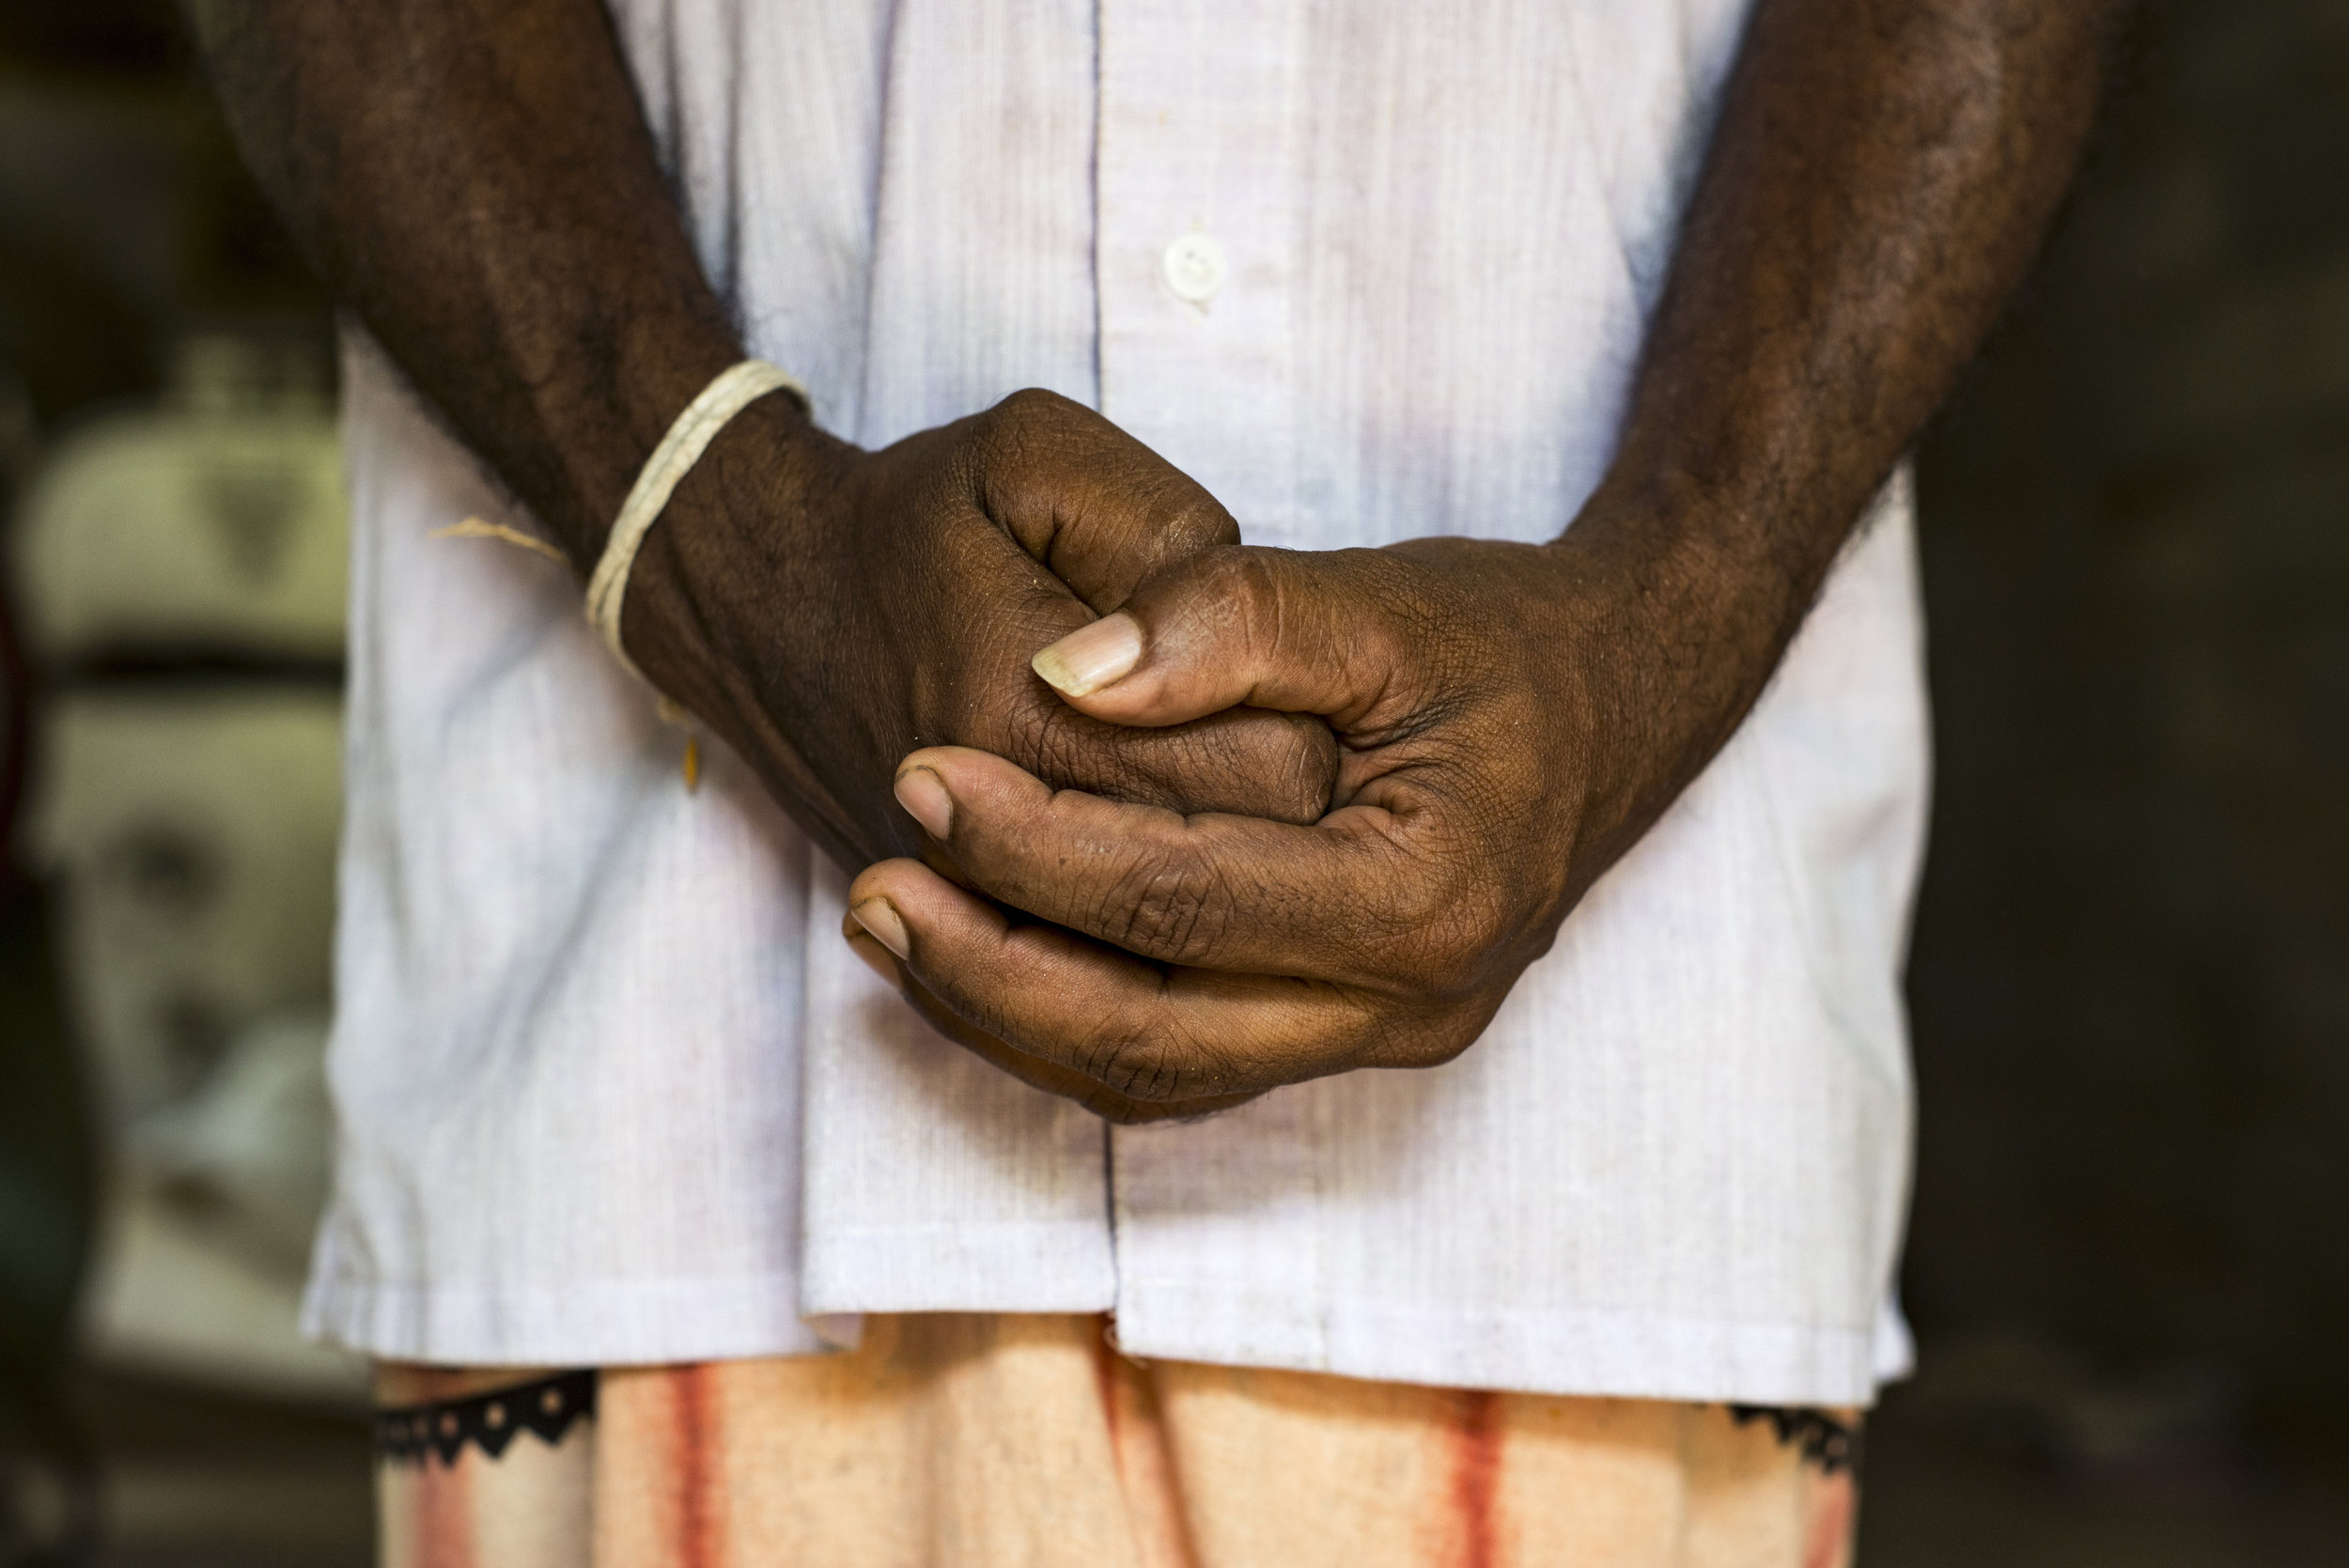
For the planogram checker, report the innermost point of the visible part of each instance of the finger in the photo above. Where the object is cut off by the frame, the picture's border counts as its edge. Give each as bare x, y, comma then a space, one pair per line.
1098, 508
1304, 633
1282, 766
1341, 899
1161, 1036
1034, 1071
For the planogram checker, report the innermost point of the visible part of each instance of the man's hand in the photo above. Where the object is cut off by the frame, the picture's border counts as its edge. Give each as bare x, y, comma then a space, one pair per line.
475, 182
829, 608
1512, 716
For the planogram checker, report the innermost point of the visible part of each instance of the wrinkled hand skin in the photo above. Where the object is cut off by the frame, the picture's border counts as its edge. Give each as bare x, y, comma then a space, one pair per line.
1510, 722
829, 608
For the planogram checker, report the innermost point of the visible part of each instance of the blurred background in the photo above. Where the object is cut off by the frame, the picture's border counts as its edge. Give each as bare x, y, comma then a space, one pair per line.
2129, 1269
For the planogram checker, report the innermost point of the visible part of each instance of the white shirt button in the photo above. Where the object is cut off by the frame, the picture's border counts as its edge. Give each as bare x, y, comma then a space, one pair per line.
1194, 267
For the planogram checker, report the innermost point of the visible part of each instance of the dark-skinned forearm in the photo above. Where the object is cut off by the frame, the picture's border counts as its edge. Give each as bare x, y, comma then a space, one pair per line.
473, 179
1880, 176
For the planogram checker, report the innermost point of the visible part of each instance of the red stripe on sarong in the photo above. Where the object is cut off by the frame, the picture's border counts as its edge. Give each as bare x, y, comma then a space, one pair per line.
1832, 1506
1475, 1441
443, 1513
696, 1469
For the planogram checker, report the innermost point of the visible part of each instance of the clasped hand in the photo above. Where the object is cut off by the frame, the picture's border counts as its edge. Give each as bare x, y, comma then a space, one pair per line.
1488, 702
1157, 885
828, 609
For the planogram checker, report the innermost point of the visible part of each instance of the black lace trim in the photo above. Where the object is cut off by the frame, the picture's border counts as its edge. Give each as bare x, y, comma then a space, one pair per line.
1830, 1444
412, 1432
408, 1434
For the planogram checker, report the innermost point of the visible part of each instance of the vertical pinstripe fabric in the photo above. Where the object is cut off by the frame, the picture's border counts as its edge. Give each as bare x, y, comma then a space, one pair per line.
610, 1092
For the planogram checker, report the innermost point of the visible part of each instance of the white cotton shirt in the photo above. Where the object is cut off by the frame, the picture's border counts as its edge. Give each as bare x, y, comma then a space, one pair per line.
611, 1087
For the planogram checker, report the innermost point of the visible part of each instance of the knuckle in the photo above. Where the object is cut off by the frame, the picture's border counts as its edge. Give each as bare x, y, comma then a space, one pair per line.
1305, 775
1195, 521
1006, 445
1411, 1036
1443, 943
1165, 907
1032, 425
1128, 1063
1441, 1041
1033, 404
1238, 601
1236, 574
1278, 765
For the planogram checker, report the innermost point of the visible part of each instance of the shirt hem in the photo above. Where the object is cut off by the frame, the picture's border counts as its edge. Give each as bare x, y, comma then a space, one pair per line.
1591, 1351
609, 1323
1575, 1351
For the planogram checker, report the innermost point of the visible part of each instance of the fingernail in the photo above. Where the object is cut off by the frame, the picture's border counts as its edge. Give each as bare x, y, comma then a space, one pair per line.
880, 917
1092, 657
923, 796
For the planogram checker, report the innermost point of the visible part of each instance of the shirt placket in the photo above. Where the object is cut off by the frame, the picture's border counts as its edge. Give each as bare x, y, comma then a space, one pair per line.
1194, 260
1198, 157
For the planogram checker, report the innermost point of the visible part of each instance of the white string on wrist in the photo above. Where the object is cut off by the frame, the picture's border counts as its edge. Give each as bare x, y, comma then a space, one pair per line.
732, 391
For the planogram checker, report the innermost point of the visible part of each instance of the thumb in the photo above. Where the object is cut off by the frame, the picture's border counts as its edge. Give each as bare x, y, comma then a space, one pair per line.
1293, 631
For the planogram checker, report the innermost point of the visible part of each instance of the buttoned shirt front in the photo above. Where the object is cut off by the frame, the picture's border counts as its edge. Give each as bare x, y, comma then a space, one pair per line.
611, 1089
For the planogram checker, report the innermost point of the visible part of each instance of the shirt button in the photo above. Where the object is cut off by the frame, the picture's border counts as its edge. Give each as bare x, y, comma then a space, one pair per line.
1194, 267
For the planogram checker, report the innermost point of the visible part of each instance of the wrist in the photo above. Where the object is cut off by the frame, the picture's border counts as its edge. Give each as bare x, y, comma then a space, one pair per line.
699, 616
600, 411
1674, 618
1713, 566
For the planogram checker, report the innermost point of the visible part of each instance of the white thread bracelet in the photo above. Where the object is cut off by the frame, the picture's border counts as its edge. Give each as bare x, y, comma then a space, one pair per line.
732, 391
